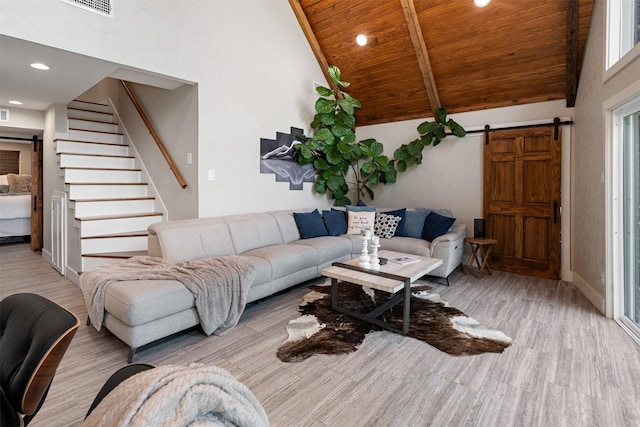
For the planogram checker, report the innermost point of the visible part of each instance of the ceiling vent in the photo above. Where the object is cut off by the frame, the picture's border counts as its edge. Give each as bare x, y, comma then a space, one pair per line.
4, 115
103, 7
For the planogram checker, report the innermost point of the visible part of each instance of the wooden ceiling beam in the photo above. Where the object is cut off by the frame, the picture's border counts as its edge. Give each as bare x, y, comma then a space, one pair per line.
422, 54
572, 52
313, 41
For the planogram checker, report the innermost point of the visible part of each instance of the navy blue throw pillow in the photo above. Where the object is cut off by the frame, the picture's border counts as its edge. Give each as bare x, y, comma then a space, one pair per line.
436, 225
335, 221
401, 230
310, 224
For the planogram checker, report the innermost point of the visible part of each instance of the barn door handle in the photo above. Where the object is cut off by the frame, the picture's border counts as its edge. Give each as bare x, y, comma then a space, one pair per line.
35, 203
555, 211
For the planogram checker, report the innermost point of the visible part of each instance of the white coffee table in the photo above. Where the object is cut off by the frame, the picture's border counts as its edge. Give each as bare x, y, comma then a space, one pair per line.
391, 278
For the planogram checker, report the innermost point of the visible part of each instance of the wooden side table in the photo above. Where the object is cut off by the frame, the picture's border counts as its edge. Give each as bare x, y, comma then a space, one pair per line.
485, 246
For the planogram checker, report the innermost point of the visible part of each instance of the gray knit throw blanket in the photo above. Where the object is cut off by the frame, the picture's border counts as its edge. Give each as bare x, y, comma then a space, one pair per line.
194, 395
219, 285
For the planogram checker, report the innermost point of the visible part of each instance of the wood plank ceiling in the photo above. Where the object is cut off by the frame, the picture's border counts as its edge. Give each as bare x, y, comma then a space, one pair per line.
422, 54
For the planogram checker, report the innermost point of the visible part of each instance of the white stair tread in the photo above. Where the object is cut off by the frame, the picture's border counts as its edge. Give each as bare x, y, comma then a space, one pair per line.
104, 217
97, 131
84, 141
123, 255
140, 233
115, 199
101, 169
70, 153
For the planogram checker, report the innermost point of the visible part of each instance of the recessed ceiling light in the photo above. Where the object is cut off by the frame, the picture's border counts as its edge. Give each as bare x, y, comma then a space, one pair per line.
361, 39
39, 66
481, 3
14, 102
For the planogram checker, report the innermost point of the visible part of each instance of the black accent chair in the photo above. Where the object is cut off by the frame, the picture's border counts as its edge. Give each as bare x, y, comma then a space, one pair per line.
119, 376
34, 335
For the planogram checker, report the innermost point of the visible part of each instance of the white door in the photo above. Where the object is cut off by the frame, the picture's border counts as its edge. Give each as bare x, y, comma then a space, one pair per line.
631, 219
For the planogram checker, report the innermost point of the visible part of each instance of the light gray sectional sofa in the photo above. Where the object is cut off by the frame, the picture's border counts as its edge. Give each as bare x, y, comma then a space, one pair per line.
148, 310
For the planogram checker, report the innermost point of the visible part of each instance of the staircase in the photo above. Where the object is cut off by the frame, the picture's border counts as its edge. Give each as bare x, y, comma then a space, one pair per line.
110, 203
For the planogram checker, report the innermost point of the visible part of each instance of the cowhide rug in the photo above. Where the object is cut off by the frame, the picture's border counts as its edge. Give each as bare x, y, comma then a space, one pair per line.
321, 330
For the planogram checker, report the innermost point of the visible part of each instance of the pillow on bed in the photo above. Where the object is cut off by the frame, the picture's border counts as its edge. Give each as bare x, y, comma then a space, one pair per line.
19, 183
3, 180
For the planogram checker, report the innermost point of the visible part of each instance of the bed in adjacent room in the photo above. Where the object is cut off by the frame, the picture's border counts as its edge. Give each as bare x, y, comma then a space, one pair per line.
15, 206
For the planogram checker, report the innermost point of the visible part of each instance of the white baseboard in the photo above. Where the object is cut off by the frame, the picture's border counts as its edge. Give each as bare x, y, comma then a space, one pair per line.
592, 295
567, 276
632, 333
47, 256
72, 275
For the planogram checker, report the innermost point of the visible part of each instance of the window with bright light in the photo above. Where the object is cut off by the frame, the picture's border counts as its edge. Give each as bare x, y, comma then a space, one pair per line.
623, 30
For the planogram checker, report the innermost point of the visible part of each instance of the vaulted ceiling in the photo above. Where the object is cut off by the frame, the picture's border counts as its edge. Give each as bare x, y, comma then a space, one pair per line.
425, 54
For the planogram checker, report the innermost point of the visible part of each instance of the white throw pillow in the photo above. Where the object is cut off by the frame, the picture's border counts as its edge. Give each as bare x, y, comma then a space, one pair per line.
358, 221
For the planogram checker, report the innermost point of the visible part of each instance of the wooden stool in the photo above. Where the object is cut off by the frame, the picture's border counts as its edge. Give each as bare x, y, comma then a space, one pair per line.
485, 245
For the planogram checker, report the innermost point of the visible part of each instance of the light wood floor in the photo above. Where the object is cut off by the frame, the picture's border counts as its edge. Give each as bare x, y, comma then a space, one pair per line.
568, 365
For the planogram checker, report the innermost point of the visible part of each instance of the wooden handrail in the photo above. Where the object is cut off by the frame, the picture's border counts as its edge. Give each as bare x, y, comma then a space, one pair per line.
156, 137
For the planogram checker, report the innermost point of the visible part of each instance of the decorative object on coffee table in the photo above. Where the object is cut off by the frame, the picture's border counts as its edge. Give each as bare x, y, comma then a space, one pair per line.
485, 246
375, 261
364, 254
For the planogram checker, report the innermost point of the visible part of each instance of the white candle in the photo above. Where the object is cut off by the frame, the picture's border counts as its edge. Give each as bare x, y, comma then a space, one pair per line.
367, 233
375, 240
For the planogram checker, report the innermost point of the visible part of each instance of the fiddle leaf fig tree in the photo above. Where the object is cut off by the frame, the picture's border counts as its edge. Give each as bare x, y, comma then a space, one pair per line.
337, 156
431, 133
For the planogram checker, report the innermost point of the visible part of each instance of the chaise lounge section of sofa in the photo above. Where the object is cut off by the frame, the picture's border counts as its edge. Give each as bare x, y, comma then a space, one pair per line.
148, 310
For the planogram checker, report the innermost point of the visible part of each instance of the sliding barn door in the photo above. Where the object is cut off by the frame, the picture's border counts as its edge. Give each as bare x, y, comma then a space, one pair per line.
522, 200
36, 196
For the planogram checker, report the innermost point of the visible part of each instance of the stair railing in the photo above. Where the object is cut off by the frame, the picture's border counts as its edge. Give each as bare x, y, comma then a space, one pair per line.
156, 137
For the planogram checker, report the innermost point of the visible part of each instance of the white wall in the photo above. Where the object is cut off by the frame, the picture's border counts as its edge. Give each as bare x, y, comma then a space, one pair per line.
174, 115
249, 58
590, 257
55, 126
23, 121
451, 174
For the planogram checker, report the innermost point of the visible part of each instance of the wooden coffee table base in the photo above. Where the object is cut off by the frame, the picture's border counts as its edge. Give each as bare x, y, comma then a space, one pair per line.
392, 278
373, 316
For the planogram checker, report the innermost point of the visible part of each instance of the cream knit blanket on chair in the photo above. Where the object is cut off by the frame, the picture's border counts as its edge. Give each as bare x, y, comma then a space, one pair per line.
194, 395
